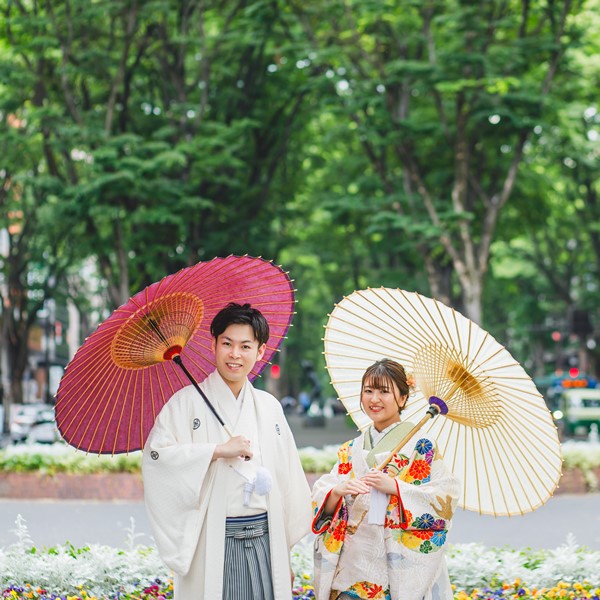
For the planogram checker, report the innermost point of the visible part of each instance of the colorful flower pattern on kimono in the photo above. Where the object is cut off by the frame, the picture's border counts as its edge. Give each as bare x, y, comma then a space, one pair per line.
424, 533
421, 534
344, 463
416, 523
365, 590
333, 539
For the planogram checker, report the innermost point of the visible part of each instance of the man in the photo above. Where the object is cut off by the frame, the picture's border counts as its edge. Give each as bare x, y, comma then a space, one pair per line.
226, 510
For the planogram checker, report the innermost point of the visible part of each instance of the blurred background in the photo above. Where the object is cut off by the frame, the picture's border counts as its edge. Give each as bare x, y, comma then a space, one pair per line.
449, 148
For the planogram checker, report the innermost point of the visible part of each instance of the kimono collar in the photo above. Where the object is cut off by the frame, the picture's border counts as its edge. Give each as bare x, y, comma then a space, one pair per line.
375, 436
388, 439
220, 394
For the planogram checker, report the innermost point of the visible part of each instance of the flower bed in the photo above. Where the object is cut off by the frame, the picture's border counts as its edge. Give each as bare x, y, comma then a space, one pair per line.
59, 471
103, 573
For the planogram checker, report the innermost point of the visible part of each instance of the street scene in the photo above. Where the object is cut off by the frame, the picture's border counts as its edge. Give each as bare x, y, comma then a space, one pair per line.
51, 522
299, 300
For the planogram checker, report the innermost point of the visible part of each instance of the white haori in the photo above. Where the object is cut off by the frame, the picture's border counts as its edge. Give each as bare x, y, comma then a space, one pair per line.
188, 495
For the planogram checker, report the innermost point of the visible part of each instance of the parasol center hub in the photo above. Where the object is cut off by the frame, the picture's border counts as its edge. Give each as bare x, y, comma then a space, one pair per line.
461, 393
438, 406
172, 352
158, 331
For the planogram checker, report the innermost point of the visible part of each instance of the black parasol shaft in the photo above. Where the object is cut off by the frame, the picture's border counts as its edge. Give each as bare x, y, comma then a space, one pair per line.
177, 360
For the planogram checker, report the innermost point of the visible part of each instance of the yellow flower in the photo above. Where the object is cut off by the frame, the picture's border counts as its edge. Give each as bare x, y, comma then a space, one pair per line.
412, 541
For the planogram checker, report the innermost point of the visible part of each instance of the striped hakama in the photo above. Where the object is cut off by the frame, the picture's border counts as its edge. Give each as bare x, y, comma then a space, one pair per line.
247, 568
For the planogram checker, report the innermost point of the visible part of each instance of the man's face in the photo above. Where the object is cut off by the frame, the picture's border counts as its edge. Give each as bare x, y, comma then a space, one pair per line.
236, 352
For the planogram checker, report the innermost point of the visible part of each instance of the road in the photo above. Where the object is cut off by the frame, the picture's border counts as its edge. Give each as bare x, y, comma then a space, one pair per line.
79, 522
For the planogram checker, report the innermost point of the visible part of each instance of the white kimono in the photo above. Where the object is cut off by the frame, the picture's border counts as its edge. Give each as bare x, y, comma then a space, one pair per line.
188, 496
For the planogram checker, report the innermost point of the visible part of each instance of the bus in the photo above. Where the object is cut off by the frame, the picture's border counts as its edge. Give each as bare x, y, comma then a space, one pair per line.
574, 400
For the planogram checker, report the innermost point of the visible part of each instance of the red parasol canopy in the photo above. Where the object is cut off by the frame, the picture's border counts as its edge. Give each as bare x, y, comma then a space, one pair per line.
123, 374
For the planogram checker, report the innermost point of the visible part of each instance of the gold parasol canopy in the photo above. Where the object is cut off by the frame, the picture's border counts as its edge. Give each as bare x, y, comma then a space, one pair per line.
497, 435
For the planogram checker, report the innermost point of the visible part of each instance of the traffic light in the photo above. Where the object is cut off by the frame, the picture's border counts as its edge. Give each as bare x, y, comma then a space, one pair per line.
275, 371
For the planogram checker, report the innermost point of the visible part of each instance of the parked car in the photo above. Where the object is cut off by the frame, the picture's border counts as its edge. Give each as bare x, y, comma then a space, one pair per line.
26, 416
44, 430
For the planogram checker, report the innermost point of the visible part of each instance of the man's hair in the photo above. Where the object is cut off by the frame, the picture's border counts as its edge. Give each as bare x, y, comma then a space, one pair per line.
243, 315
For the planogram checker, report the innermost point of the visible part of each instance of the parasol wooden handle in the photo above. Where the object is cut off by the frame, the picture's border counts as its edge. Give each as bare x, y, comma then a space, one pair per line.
432, 411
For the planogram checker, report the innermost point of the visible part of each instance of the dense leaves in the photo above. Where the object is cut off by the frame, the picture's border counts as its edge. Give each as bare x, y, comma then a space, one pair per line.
443, 146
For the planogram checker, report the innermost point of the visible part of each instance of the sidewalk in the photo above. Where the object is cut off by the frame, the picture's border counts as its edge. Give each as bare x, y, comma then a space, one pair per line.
336, 431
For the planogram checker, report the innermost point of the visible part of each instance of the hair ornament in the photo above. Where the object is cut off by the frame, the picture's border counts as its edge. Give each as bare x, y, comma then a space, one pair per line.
412, 383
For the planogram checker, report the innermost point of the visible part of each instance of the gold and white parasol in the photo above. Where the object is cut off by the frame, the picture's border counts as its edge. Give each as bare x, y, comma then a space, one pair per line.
497, 435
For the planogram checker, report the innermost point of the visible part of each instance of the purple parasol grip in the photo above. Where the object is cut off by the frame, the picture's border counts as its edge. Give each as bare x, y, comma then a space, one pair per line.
440, 404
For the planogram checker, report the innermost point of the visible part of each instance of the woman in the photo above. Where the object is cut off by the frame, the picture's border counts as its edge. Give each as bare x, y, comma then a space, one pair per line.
382, 533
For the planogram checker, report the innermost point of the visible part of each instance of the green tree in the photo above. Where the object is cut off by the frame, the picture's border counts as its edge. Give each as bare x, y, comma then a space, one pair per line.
157, 134
443, 98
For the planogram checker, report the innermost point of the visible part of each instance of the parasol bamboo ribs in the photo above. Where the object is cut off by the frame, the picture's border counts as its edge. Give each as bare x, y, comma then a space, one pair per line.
436, 406
432, 411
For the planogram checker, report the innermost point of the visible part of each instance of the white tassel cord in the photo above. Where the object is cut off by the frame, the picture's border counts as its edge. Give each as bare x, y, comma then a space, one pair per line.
261, 483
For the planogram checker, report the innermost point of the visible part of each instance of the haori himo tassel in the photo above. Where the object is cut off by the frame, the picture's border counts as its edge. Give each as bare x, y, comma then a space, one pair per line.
260, 484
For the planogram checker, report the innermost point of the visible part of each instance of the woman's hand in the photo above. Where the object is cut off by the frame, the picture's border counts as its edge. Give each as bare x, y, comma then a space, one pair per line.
350, 487
235, 447
380, 481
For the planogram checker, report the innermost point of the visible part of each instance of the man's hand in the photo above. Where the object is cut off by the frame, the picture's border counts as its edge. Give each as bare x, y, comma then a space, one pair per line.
236, 447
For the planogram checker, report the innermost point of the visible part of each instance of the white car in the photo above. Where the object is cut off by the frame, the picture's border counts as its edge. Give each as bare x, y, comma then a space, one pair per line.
26, 416
44, 433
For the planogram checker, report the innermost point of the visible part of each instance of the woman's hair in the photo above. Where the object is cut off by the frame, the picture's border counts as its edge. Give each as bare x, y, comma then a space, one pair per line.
243, 315
385, 372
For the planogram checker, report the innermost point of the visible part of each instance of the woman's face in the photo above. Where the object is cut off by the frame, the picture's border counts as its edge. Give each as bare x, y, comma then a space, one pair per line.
382, 404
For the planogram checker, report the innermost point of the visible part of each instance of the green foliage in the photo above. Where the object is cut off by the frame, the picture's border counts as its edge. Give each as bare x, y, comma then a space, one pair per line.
438, 147
68, 461
576, 455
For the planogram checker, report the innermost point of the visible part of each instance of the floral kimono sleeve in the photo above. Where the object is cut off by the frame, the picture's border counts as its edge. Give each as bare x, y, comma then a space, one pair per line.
332, 528
419, 516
